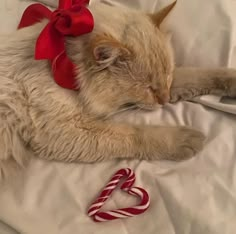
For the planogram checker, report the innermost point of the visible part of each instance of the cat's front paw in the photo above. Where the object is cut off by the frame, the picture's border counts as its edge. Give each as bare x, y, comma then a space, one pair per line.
182, 94
171, 143
186, 143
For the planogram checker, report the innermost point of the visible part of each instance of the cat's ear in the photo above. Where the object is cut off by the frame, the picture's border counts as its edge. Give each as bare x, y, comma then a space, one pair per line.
158, 17
107, 50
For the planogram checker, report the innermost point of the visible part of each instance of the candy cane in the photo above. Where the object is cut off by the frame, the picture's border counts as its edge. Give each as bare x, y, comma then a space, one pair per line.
94, 210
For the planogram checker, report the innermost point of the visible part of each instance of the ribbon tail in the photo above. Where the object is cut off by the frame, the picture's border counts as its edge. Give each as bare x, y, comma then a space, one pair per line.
64, 72
50, 43
34, 14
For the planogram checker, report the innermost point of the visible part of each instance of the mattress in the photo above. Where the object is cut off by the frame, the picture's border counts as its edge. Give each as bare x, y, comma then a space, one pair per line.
197, 196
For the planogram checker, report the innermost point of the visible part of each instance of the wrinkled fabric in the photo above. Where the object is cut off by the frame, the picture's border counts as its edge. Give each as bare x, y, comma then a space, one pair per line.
197, 196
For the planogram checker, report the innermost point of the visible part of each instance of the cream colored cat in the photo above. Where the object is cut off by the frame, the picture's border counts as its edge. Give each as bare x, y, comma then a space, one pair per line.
125, 63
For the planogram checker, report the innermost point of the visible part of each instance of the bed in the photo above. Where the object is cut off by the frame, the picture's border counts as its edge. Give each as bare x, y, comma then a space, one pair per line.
197, 196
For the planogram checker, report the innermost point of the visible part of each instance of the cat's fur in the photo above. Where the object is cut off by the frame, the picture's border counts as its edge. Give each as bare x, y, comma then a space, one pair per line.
126, 62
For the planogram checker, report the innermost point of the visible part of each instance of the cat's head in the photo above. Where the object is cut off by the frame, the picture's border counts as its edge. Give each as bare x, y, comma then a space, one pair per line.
127, 61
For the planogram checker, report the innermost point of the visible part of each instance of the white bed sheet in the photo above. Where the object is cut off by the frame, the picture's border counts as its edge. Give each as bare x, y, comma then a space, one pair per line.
193, 197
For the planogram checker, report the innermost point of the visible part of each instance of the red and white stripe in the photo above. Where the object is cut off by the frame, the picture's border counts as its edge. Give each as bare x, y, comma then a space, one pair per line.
99, 216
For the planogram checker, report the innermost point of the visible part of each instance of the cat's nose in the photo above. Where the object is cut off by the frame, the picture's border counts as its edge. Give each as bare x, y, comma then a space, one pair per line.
163, 98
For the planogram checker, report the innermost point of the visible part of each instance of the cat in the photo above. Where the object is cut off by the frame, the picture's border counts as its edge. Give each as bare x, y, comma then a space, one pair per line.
124, 64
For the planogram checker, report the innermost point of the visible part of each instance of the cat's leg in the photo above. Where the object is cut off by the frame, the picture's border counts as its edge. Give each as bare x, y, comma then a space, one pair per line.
191, 82
94, 142
13, 126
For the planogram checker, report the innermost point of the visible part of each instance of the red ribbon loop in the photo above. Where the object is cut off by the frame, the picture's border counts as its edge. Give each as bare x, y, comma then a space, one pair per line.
72, 18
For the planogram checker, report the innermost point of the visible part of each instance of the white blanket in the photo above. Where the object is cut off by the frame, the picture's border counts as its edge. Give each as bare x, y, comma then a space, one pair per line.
193, 197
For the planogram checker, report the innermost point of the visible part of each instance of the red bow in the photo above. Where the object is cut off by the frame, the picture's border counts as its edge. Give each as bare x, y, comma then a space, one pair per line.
72, 18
